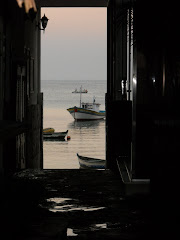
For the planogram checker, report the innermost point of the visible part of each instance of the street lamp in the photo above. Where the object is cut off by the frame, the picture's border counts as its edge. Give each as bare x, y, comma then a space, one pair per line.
44, 21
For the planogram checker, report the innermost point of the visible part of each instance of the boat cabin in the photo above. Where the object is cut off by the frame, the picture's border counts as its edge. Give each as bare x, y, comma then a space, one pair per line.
91, 106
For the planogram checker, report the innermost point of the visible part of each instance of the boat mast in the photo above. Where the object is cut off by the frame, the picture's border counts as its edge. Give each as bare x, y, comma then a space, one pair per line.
80, 95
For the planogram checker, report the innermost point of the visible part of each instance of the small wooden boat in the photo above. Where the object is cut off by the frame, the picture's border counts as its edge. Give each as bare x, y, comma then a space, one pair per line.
94, 163
48, 130
55, 135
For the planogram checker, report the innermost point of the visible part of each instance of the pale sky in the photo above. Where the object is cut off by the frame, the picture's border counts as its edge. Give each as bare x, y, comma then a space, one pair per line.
74, 45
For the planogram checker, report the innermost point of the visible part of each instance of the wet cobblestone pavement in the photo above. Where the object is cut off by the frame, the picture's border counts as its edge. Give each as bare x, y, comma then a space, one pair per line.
72, 204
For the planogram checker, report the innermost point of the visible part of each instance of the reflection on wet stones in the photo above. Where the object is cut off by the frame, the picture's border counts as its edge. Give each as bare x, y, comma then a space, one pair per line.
68, 204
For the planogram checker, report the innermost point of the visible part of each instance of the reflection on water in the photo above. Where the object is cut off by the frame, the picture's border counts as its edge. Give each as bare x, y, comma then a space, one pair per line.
54, 140
85, 124
87, 139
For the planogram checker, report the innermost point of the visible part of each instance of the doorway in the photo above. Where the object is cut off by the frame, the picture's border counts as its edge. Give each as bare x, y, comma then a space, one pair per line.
73, 54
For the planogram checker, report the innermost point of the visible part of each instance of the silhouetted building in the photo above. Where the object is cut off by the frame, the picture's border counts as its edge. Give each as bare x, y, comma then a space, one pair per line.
20, 94
143, 89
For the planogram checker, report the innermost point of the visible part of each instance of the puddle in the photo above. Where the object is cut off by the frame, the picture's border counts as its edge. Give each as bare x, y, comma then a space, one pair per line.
102, 225
70, 232
68, 204
92, 208
58, 200
30, 174
90, 228
71, 207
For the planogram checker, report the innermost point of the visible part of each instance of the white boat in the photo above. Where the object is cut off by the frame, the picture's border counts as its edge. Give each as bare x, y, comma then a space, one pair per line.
55, 135
80, 91
87, 111
94, 163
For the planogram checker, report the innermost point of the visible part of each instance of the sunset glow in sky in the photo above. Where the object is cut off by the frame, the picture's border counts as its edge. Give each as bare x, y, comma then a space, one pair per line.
74, 45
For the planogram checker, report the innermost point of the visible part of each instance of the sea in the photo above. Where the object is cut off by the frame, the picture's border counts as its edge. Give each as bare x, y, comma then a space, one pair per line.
86, 137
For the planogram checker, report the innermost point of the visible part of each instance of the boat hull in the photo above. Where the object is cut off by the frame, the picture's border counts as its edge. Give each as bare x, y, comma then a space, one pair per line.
48, 130
85, 114
79, 92
55, 135
93, 163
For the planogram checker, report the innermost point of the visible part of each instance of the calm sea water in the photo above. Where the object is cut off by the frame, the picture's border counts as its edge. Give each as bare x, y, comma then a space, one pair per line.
87, 138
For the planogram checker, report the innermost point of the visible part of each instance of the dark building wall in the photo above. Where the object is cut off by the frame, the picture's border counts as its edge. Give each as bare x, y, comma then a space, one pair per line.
118, 109
142, 121
154, 81
72, 3
157, 100
157, 107
21, 105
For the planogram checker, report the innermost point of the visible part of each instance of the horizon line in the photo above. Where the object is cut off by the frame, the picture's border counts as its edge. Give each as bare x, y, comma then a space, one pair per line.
73, 80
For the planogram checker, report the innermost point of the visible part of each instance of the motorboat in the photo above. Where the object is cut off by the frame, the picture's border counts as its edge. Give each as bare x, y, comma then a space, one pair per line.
87, 111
